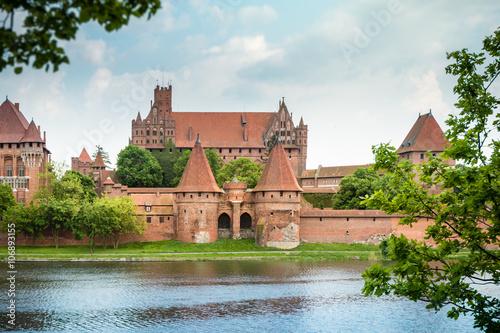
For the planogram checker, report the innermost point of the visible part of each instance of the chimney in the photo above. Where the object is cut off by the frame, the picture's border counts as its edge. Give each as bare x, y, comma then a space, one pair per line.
39, 129
190, 133
17, 106
44, 136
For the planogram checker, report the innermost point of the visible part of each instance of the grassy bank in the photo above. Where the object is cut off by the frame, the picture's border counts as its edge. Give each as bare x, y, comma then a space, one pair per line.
173, 250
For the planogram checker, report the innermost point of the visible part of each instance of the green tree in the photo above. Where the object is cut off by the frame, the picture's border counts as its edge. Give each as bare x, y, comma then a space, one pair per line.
244, 169
137, 167
92, 221
167, 159
123, 219
355, 187
104, 154
28, 220
319, 200
466, 212
7, 199
87, 184
58, 214
214, 160
48, 22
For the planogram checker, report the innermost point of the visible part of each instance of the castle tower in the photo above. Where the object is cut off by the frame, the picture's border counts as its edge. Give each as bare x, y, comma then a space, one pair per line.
23, 152
82, 163
235, 191
97, 173
197, 197
138, 132
425, 135
301, 141
277, 202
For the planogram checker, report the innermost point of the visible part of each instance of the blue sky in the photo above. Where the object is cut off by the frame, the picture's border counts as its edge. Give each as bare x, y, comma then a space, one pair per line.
359, 72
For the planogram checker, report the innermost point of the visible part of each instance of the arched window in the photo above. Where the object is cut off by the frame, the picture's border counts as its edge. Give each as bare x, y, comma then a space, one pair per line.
224, 221
245, 221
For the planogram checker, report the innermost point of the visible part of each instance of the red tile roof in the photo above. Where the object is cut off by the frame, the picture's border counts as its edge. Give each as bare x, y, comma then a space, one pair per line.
13, 125
197, 176
98, 163
222, 129
334, 171
31, 134
84, 156
424, 135
278, 174
108, 181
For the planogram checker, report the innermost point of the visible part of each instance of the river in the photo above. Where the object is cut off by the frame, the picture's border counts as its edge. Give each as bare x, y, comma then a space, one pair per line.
213, 296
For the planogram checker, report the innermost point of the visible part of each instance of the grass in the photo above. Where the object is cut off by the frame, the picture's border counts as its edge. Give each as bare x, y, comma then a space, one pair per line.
175, 250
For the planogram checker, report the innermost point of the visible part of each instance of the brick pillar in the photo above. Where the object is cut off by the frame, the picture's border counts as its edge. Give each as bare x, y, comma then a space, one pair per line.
235, 221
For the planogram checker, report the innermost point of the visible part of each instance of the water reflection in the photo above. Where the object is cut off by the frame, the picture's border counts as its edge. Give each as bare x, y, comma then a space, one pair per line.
211, 296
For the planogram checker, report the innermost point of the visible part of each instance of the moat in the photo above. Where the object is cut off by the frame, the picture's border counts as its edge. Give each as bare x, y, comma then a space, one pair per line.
245, 296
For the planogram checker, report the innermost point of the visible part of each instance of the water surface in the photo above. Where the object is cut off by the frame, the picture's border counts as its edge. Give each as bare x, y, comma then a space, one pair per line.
214, 296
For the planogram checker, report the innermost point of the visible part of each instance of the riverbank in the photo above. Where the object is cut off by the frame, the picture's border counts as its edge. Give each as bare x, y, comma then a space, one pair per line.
173, 250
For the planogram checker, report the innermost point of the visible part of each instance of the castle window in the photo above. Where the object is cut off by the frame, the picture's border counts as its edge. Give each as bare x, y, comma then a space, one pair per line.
347, 232
320, 219
304, 141
170, 150
235, 157
290, 196
155, 132
300, 141
230, 150
21, 171
162, 219
141, 132
432, 155
9, 171
347, 219
31, 145
168, 218
224, 157
147, 132
421, 156
191, 196
147, 141
289, 151
199, 194
250, 150
201, 212
154, 120
291, 213
281, 193
272, 196
373, 219
10, 145
260, 150
272, 213
282, 133
239, 150
287, 133
136, 132
148, 219
183, 195
293, 142
84, 171
161, 141
148, 208
220, 151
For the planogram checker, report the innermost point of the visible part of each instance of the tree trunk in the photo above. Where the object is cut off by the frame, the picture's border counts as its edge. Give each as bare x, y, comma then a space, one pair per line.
55, 235
116, 240
91, 244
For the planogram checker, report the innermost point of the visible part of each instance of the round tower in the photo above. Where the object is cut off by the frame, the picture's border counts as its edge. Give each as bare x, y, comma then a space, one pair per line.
197, 197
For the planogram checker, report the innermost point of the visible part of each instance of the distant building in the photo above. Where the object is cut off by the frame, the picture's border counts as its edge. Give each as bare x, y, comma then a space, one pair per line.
231, 134
425, 135
23, 152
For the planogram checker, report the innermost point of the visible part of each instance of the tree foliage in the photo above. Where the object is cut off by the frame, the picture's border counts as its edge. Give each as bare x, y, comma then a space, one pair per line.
466, 212
355, 187
7, 199
137, 167
48, 22
319, 200
244, 169
58, 214
166, 159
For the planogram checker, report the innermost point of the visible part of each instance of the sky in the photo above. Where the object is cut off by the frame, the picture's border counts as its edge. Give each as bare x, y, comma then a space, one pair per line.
359, 72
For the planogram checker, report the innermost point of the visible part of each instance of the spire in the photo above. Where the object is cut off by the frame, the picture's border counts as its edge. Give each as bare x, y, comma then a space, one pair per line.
278, 174
98, 162
301, 123
424, 135
31, 134
84, 156
197, 176
138, 117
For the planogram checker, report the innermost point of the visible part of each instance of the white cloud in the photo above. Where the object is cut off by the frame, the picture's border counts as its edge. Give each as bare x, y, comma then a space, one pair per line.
426, 95
257, 15
92, 51
169, 18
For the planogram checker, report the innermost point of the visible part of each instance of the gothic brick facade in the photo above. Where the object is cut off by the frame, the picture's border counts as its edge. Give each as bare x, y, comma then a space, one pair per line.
231, 134
23, 153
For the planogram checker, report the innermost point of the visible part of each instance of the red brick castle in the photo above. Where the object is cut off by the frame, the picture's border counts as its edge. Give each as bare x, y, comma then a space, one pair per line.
231, 134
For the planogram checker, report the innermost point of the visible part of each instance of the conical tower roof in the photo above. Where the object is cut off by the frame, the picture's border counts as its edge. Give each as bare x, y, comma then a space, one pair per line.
197, 176
84, 156
424, 135
138, 117
31, 134
13, 125
278, 174
99, 162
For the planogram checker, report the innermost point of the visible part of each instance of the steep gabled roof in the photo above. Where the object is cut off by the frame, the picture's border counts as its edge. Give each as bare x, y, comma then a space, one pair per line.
108, 181
334, 171
13, 125
278, 174
222, 129
84, 156
197, 176
424, 135
31, 134
98, 163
